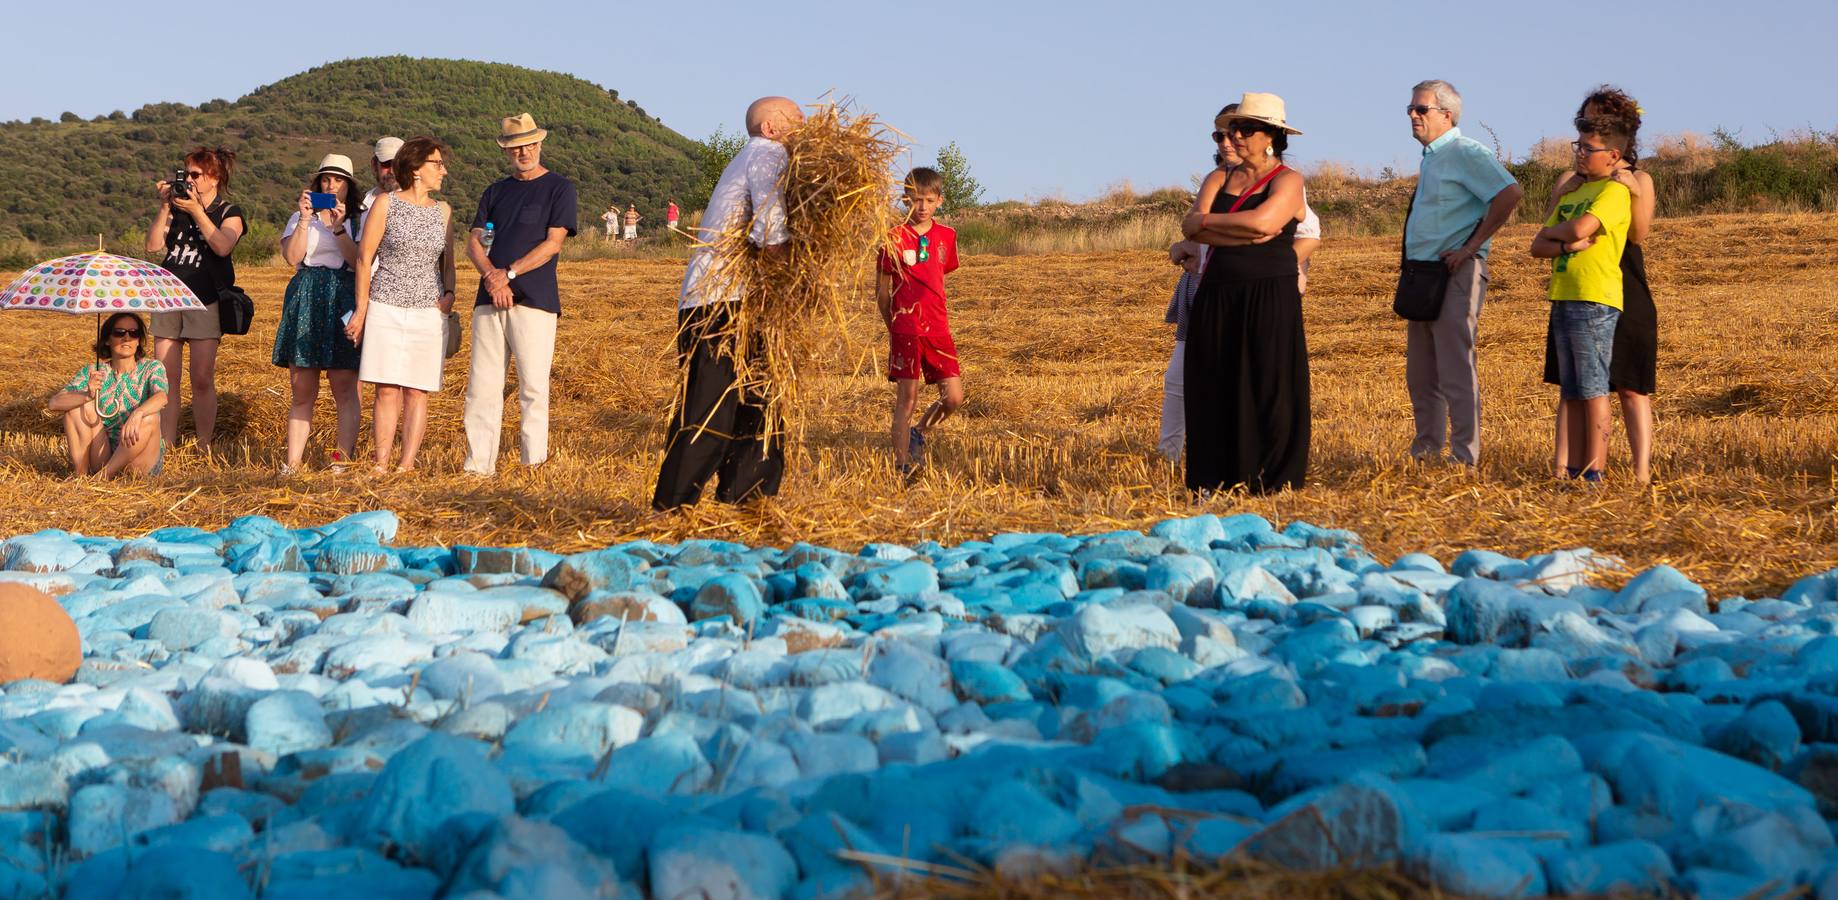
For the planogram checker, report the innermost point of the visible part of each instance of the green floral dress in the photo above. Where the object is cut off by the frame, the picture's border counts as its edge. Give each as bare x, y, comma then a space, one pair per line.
120, 394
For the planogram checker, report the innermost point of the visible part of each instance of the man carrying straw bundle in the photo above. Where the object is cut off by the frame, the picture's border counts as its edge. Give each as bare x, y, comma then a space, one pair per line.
715, 429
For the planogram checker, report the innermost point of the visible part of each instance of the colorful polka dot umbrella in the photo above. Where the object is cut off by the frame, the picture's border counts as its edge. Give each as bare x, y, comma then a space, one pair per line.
98, 283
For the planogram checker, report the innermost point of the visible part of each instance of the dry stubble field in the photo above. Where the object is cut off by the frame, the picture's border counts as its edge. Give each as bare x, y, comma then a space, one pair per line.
1063, 358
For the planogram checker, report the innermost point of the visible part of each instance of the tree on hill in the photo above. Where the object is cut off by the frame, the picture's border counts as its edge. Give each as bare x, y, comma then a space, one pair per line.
962, 190
607, 146
713, 154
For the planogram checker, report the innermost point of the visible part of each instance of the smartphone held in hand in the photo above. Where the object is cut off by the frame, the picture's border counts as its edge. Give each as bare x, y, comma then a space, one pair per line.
322, 201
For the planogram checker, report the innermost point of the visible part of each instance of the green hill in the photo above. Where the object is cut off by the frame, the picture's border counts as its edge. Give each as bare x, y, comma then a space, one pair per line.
63, 182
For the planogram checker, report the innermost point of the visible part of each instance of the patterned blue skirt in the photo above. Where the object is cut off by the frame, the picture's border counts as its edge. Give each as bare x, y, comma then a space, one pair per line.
311, 334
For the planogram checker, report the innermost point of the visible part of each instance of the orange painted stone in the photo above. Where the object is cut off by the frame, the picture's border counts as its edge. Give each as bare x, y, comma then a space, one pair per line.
37, 638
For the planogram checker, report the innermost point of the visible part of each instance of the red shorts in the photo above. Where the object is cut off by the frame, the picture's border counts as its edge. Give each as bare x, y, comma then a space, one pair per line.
912, 356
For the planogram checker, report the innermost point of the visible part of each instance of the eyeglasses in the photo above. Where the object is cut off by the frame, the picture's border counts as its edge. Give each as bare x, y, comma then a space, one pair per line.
125, 332
438, 162
1419, 109
1585, 149
193, 175
525, 148
925, 247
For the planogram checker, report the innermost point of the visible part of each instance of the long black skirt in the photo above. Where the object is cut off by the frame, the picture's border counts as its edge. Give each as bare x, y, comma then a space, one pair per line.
1246, 390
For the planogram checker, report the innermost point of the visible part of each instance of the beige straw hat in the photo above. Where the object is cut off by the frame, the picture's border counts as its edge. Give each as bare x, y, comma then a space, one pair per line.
1265, 108
335, 164
520, 129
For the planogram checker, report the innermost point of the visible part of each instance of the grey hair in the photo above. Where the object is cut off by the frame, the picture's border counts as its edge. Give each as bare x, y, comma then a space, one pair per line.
1447, 96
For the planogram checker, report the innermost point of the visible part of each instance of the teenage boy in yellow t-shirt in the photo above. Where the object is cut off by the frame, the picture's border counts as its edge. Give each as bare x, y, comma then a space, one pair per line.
1584, 238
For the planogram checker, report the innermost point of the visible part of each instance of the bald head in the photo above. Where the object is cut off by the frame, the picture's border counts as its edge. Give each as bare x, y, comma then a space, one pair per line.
773, 117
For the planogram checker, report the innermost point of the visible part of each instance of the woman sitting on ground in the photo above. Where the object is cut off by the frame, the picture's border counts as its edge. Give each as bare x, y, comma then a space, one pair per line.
112, 407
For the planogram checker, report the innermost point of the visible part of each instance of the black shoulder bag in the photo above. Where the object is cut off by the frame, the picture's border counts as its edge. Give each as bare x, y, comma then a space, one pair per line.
1421, 285
235, 310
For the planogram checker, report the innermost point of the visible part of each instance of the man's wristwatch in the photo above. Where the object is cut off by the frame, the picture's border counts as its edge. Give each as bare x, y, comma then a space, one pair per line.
510, 274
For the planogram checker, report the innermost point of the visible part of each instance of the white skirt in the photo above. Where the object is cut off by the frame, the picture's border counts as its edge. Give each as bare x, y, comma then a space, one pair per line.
403, 347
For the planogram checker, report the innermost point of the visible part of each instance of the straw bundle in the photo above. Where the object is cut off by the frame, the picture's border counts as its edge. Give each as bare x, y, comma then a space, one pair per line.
794, 310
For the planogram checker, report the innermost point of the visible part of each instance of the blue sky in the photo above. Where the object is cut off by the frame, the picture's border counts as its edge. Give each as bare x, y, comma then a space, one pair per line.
1046, 99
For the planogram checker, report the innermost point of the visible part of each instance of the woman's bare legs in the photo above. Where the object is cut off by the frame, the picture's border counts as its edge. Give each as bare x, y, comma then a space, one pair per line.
87, 439
171, 354
305, 385
350, 408
138, 457
414, 426
203, 391
1637, 410
388, 414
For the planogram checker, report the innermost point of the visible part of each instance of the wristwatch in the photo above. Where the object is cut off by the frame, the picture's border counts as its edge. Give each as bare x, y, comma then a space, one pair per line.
510, 274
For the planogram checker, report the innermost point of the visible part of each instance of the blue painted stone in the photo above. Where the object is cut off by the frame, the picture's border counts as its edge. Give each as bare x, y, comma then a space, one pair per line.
729, 594
422, 787
1469, 865
985, 682
1626, 867
1766, 735
1189, 579
1659, 580
688, 860
1477, 609
911, 577
1196, 534
609, 570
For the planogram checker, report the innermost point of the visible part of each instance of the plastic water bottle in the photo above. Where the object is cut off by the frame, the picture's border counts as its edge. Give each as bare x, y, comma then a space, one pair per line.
490, 233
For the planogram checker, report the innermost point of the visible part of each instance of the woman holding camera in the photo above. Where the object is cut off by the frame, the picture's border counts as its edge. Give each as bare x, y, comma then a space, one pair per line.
112, 407
195, 231
311, 338
401, 309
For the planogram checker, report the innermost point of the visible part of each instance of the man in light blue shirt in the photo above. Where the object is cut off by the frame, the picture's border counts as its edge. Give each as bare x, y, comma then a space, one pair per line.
1463, 196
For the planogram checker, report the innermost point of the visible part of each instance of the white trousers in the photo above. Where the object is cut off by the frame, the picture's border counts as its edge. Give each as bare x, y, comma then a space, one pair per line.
528, 335
1173, 441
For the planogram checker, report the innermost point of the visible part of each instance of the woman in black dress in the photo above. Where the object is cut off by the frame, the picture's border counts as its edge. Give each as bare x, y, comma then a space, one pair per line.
1246, 396
1633, 366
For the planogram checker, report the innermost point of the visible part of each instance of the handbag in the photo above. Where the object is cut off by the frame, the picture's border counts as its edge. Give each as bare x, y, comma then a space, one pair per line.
234, 310
451, 333
1421, 285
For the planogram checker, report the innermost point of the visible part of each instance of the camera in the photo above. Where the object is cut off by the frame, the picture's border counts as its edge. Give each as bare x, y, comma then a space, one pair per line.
181, 188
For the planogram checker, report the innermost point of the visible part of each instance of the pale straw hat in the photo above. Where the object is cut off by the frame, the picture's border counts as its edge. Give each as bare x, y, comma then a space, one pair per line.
1265, 108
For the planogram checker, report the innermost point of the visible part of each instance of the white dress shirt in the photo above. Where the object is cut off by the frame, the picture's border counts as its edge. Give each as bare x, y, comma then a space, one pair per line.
748, 191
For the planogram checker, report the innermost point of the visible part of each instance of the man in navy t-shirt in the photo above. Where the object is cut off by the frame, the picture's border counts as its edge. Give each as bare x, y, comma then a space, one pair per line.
530, 213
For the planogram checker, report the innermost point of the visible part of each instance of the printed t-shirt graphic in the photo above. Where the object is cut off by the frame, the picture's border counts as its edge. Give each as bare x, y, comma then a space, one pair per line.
919, 278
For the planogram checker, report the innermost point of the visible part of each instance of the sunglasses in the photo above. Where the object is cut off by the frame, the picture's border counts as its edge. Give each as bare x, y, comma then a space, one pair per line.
1585, 149
1421, 110
125, 332
193, 175
925, 247
1241, 130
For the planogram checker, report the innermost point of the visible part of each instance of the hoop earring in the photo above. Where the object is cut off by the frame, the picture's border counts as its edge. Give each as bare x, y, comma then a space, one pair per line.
1269, 151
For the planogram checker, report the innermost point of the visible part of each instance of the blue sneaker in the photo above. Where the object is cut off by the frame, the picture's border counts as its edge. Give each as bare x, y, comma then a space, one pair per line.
915, 444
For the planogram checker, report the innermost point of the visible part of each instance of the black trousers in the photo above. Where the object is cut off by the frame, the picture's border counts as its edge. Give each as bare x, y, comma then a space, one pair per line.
715, 431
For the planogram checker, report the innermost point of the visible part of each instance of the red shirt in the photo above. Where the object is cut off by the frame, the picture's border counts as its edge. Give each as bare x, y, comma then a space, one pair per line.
919, 284
671, 215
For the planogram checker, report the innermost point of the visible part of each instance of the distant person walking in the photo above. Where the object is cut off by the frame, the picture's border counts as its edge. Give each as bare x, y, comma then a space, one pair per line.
611, 219
531, 212
382, 165
670, 216
311, 337
1463, 196
631, 222
401, 310
1246, 367
715, 430
1633, 370
195, 232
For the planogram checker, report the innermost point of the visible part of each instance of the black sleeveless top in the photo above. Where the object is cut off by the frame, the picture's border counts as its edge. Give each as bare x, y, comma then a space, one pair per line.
1274, 258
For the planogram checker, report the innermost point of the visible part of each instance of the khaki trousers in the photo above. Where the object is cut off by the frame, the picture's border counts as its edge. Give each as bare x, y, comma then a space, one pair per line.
528, 335
1439, 367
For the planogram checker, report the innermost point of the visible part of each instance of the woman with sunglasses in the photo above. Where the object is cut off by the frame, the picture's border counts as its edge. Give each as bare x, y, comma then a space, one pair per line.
401, 308
311, 337
194, 233
112, 407
1246, 359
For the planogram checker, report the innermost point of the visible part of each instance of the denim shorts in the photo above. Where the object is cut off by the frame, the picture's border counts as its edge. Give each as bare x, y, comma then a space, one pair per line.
1584, 337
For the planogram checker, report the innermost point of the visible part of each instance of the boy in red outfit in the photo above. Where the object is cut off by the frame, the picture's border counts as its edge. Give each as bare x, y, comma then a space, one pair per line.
911, 294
